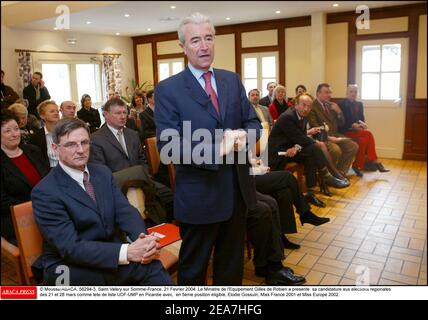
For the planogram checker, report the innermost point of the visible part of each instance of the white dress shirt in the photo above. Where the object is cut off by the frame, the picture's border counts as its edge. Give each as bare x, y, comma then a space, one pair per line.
77, 175
53, 159
198, 74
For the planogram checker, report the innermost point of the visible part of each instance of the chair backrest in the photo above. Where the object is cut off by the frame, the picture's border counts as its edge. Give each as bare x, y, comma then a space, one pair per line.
153, 156
30, 241
133, 191
171, 174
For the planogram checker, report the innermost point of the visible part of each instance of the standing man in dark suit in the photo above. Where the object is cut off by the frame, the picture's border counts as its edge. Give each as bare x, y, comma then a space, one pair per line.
77, 207
211, 197
119, 148
291, 129
148, 126
35, 93
266, 101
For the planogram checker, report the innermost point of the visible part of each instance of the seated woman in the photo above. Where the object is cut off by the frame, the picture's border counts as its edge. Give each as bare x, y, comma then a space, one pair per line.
357, 130
22, 167
279, 103
299, 90
42, 138
27, 128
138, 105
88, 114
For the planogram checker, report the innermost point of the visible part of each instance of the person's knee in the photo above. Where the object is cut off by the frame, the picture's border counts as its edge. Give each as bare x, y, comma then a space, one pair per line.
335, 151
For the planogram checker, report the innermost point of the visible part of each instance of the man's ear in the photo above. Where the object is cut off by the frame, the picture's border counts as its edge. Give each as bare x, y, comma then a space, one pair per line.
55, 149
182, 47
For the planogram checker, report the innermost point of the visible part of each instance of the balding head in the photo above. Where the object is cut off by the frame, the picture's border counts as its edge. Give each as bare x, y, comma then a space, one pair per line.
68, 110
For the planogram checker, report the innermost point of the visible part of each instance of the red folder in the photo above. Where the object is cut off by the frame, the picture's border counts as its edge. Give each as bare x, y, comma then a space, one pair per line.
166, 232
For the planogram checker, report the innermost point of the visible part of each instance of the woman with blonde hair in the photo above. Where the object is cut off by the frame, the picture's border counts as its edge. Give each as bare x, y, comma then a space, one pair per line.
279, 103
49, 112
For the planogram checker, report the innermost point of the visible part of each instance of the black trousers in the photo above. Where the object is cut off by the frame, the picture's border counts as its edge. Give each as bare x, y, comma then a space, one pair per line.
312, 159
264, 232
225, 238
133, 274
283, 186
167, 199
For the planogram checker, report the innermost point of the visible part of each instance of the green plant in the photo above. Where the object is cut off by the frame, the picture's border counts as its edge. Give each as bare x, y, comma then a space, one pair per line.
145, 86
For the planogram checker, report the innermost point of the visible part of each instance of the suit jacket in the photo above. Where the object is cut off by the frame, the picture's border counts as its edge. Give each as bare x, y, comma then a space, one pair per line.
265, 101
266, 114
318, 116
15, 187
75, 229
91, 116
148, 126
106, 149
8, 96
29, 93
204, 192
286, 133
352, 112
39, 139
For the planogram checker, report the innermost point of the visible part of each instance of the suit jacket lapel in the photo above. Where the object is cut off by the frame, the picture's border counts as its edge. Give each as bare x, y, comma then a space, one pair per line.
112, 139
74, 190
197, 93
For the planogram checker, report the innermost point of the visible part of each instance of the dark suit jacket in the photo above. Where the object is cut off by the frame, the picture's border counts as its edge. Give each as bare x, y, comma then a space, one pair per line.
106, 149
75, 229
204, 192
9, 96
29, 93
265, 101
15, 187
148, 126
352, 111
91, 116
317, 116
286, 133
39, 139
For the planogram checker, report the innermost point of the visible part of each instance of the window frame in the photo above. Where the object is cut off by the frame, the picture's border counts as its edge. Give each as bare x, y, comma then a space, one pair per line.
170, 63
260, 78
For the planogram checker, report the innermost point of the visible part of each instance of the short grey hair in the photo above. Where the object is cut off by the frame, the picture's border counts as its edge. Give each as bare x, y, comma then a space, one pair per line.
19, 109
66, 126
194, 18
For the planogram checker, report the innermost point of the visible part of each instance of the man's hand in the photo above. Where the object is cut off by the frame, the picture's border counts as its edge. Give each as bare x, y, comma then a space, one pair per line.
291, 152
144, 249
334, 139
356, 126
240, 140
313, 131
335, 107
42, 83
228, 143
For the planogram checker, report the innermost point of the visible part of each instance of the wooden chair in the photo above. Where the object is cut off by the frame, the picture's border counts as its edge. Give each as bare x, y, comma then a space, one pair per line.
30, 241
153, 157
11, 252
135, 195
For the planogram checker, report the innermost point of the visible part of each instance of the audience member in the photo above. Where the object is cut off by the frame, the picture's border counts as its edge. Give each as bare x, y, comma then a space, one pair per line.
324, 112
77, 207
267, 100
88, 114
279, 103
119, 148
36, 93
49, 113
26, 128
22, 167
148, 126
68, 110
138, 105
262, 111
291, 130
356, 129
8, 95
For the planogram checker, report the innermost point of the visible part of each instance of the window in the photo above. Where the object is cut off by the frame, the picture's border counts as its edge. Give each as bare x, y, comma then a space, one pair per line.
71, 80
258, 70
381, 71
169, 67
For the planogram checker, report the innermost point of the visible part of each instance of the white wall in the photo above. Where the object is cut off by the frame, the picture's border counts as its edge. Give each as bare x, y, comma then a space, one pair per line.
12, 39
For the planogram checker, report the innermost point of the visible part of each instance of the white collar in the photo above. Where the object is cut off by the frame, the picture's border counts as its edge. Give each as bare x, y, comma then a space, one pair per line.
114, 130
76, 175
46, 131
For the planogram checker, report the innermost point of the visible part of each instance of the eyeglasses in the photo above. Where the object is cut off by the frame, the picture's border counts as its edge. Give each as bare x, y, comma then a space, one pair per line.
72, 146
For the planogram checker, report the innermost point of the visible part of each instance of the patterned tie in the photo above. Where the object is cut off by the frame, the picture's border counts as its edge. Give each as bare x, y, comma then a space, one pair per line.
210, 91
122, 141
88, 186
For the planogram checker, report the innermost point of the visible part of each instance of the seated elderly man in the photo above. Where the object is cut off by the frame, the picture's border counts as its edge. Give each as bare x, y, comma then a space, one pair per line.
77, 207
26, 126
68, 110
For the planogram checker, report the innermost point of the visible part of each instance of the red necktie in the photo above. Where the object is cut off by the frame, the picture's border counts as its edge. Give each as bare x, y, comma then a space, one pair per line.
210, 91
88, 186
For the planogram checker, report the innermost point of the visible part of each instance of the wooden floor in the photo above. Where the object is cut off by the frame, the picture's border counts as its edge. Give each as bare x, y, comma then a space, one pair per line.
377, 233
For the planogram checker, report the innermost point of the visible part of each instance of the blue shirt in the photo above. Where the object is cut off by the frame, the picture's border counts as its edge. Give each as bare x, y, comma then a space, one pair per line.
198, 74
